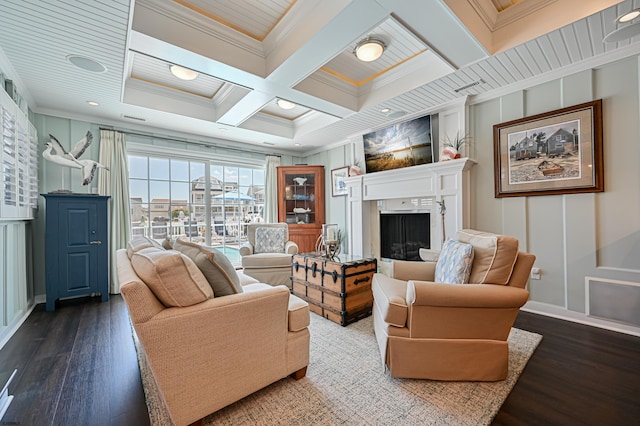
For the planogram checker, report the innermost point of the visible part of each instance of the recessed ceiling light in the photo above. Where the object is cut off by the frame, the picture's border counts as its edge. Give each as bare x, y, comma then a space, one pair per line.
93, 103
296, 144
369, 49
629, 16
183, 73
397, 114
86, 64
285, 104
385, 110
222, 129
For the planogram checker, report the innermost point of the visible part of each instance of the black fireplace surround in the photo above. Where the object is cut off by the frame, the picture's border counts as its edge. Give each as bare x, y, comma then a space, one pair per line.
403, 234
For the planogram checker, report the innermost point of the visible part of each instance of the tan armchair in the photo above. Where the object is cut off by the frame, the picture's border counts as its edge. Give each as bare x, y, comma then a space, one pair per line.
266, 256
440, 331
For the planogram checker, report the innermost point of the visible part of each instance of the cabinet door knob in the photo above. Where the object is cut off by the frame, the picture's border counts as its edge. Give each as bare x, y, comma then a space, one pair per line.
96, 242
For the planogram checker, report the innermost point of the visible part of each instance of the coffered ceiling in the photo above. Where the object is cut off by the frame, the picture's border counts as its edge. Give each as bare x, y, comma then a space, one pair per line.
251, 53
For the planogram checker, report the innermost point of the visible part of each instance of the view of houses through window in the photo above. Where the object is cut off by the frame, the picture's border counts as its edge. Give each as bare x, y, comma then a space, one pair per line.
195, 200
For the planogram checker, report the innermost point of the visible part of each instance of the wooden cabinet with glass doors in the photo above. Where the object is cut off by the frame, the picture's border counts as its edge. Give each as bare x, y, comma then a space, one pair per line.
301, 203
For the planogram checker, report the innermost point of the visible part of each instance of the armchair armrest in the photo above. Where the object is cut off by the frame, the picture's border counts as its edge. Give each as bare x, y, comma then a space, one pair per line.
291, 247
462, 311
465, 295
406, 270
246, 249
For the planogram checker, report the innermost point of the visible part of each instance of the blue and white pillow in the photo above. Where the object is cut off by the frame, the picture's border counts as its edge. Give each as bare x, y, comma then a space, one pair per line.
454, 263
269, 240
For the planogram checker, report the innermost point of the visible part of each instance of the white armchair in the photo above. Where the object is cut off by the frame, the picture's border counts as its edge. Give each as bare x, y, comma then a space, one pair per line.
266, 256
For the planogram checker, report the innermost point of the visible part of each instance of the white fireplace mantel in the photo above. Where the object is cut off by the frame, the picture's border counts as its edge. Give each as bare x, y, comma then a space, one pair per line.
419, 187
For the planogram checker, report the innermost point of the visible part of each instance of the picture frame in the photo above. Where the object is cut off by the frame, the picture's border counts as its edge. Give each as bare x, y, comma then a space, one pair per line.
557, 152
338, 185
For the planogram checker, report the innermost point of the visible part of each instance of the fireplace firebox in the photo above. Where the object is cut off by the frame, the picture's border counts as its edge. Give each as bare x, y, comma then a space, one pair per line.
403, 234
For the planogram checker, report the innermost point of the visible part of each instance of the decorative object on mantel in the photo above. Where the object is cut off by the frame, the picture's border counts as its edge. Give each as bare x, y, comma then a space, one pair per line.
557, 152
453, 147
354, 169
300, 180
443, 210
70, 158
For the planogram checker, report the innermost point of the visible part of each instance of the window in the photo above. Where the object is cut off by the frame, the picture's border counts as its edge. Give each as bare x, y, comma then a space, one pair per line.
194, 199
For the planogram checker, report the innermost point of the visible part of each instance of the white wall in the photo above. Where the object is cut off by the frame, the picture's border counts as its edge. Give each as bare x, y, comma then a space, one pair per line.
335, 207
573, 236
576, 236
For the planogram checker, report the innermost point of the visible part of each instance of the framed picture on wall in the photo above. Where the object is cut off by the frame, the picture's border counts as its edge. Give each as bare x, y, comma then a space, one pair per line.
557, 152
338, 185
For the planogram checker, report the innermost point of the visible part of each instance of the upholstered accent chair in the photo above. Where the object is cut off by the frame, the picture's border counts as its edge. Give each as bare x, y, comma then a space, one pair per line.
266, 256
430, 327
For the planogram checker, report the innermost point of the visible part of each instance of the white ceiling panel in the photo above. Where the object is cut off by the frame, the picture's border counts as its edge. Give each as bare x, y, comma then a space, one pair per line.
37, 36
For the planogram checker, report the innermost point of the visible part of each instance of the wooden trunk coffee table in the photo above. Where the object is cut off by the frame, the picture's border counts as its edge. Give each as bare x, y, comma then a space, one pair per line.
338, 289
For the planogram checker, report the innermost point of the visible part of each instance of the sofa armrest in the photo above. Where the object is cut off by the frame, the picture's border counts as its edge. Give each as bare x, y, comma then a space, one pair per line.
291, 247
198, 354
246, 249
407, 270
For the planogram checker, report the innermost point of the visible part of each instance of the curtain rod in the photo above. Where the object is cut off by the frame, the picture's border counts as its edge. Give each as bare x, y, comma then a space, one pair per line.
166, 138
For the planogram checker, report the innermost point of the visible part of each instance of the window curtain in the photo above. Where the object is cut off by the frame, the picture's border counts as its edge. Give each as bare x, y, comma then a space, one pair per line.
115, 183
271, 189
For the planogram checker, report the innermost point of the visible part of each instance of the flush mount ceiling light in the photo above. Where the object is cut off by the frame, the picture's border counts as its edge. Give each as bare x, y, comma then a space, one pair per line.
183, 73
86, 64
629, 16
285, 104
369, 49
93, 103
385, 110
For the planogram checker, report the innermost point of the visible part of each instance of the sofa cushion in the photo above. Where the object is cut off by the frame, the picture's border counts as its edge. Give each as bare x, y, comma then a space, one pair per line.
269, 240
140, 243
172, 277
494, 256
267, 260
215, 266
454, 263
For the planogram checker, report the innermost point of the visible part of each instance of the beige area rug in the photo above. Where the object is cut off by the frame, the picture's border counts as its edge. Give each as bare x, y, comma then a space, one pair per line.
346, 384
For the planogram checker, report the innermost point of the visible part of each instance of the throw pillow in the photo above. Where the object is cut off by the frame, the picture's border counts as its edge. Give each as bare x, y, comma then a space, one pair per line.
140, 243
216, 267
269, 240
454, 263
494, 256
172, 277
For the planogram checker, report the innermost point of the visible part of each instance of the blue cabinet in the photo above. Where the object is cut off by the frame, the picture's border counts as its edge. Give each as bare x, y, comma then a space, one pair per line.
76, 247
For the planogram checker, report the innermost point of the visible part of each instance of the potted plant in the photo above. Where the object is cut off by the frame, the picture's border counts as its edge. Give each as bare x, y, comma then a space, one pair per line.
354, 169
453, 147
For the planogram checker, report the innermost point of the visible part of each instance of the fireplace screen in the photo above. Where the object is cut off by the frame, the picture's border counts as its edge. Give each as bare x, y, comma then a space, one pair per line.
403, 234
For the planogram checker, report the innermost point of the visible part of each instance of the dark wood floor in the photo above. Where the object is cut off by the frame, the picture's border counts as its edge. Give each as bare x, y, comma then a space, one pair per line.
78, 366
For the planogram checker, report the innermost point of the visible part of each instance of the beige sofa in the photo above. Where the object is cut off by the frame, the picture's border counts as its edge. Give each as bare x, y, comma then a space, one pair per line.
442, 331
212, 353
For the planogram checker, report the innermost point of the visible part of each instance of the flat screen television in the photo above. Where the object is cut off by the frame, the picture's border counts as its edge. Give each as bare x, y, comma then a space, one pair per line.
401, 145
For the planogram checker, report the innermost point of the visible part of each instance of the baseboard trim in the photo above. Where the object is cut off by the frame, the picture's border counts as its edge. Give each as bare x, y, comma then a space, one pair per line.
578, 317
6, 334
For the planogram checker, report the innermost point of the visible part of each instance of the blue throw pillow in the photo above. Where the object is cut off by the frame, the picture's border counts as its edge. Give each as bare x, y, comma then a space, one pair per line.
454, 263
